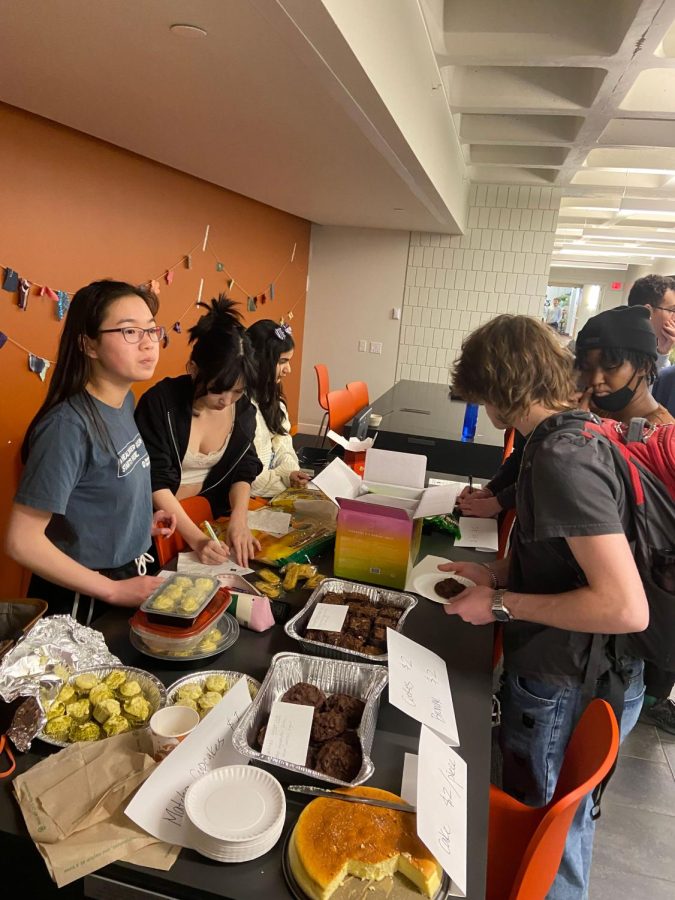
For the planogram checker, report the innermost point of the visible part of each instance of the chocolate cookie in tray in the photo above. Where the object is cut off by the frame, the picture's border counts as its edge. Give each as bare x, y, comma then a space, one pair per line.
370, 611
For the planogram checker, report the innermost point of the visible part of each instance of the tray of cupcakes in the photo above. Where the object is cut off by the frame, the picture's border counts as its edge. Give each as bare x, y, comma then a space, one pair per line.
345, 699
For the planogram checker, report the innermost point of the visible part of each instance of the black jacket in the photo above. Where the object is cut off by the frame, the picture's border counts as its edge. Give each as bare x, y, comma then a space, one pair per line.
164, 417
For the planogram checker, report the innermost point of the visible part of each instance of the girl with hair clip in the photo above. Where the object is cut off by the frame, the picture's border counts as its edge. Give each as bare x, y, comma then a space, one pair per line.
274, 346
82, 516
199, 431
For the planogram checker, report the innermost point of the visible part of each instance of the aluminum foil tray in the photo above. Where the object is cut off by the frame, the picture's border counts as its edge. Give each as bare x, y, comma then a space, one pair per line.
296, 626
200, 677
333, 676
152, 688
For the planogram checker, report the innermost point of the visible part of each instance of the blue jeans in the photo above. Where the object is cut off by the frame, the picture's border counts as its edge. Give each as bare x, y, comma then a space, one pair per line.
538, 719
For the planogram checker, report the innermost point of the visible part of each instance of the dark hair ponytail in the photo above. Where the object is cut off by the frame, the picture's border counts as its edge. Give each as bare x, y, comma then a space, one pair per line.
72, 370
269, 340
222, 354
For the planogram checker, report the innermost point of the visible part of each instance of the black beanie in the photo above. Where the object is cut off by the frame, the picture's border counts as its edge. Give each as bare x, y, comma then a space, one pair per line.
625, 327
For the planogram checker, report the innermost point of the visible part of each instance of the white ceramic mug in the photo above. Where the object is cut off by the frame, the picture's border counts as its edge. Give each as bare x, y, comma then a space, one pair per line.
169, 726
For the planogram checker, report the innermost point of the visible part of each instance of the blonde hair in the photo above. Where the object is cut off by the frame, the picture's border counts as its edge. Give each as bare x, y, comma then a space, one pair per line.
513, 362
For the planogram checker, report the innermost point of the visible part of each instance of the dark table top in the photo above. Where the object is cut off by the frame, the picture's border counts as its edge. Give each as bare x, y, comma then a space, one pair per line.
467, 651
420, 409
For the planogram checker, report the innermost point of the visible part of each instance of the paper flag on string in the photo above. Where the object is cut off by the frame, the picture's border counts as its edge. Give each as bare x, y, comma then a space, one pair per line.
230, 283
271, 292
168, 276
154, 286
24, 291
11, 282
38, 365
251, 304
62, 304
263, 299
176, 327
290, 315
188, 262
3, 339
44, 290
219, 267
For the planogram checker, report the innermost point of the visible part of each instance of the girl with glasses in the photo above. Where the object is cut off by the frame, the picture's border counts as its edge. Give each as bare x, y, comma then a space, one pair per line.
199, 430
274, 346
82, 516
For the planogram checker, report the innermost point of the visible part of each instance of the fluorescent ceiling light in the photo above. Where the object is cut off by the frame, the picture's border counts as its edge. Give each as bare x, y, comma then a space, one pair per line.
635, 206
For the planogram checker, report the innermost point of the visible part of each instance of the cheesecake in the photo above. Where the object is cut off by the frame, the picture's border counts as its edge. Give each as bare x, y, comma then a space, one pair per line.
333, 840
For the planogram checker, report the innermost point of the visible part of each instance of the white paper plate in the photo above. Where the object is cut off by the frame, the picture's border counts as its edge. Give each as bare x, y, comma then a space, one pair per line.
424, 584
237, 804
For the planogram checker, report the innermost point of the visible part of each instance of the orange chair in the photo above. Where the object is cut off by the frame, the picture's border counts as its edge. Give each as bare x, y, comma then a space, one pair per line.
341, 409
323, 385
359, 391
525, 844
509, 438
199, 509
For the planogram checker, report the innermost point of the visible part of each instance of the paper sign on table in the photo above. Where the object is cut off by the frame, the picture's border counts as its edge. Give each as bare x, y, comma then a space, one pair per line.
158, 806
188, 564
409, 778
419, 685
479, 533
272, 521
287, 732
328, 617
442, 805
352, 444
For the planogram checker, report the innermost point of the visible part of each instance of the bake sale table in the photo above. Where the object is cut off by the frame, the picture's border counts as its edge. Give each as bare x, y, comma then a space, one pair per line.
467, 651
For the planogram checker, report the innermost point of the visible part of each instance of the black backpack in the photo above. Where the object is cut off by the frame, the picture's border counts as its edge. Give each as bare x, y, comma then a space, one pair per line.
652, 511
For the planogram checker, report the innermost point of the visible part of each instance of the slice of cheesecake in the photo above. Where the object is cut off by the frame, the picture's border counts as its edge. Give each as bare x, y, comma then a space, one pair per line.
333, 839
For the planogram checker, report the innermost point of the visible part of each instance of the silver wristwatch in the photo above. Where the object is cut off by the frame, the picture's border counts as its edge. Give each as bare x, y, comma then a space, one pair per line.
499, 611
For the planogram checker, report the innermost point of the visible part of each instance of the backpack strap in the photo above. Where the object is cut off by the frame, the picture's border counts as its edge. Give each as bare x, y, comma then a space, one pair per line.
636, 430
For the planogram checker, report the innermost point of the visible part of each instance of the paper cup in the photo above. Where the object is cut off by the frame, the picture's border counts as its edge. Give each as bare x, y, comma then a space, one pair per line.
169, 726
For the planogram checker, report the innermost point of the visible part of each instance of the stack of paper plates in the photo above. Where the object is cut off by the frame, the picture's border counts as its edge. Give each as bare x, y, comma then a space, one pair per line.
236, 813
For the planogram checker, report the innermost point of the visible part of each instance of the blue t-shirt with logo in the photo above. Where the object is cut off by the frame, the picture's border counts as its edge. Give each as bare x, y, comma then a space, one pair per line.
88, 466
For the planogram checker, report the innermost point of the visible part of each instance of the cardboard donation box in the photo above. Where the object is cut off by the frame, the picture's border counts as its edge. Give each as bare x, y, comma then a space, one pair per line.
379, 524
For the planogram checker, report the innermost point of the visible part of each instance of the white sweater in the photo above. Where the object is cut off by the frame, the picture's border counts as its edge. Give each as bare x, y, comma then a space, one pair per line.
276, 453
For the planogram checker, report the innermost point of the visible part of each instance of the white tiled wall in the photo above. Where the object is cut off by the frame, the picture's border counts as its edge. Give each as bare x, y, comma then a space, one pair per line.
455, 283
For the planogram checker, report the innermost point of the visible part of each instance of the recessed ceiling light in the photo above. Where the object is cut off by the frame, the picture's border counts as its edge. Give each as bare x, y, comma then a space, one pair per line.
193, 31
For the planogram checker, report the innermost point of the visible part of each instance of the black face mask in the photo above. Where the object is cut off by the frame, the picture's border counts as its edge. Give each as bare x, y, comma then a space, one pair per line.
617, 400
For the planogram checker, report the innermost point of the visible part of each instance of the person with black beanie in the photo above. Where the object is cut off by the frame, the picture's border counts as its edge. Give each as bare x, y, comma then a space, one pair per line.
616, 354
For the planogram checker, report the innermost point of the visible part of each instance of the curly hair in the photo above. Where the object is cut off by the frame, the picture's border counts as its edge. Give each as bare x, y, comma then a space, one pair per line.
649, 290
513, 362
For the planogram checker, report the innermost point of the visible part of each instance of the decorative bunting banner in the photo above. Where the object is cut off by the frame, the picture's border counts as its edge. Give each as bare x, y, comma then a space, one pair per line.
12, 282
38, 365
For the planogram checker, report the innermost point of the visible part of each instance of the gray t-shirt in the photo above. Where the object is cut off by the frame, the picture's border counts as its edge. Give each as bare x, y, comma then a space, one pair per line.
96, 486
568, 487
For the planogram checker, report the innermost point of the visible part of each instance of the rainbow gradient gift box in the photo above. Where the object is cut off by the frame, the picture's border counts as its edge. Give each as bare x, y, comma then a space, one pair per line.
379, 523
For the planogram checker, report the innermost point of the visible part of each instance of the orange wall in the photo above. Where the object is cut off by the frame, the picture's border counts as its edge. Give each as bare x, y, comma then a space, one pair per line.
75, 209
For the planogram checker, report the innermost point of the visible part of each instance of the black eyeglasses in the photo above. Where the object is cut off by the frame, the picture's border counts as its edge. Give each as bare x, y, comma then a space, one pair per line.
135, 335
667, 309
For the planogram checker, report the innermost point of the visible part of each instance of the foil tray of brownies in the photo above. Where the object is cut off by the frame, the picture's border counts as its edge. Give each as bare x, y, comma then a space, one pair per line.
346, 700
371, 611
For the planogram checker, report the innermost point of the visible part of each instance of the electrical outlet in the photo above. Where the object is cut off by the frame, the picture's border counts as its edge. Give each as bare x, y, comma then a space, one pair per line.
363, 346
375, 347
396, 312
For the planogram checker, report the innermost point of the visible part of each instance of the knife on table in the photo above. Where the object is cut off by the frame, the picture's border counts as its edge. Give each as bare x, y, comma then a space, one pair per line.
350, 798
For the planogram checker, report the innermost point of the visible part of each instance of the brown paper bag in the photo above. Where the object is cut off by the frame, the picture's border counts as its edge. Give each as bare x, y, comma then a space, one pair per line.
73, 804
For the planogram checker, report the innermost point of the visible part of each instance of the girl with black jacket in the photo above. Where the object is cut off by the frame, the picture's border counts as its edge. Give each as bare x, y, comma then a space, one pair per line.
199, 430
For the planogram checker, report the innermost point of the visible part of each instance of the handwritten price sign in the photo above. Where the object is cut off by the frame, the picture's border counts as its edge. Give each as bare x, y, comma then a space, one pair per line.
419, 686
441, 804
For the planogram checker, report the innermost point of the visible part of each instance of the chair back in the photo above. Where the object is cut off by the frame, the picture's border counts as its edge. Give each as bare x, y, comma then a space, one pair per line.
509, 438
359, 391
341, 409
198, 509
323, 384
590, 755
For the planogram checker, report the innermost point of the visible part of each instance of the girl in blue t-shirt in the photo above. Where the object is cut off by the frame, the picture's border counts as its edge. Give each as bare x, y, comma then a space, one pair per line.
82, 516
